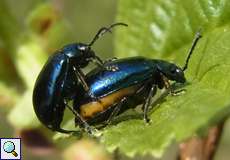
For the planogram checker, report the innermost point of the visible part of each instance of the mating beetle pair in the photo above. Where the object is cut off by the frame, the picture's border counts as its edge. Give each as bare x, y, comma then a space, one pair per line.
103, 93
59, 79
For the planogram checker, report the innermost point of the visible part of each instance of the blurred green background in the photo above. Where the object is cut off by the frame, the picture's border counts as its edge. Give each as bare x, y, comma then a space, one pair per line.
40, 27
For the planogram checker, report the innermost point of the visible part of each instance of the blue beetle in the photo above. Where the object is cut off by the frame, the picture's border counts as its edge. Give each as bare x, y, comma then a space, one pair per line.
59, 79
135, 82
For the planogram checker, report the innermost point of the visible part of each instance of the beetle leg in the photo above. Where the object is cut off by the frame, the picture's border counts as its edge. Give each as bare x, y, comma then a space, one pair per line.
168, 86
116, 110
81, 76
178, 92
99, 61
112, 68
110, 60
166, 82
148, 102
82, 122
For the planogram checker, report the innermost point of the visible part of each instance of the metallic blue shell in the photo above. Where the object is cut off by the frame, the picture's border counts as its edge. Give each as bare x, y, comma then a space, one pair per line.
130, 71
47, 87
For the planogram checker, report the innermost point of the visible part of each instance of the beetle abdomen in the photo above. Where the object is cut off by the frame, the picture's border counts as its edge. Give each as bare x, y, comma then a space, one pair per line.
131, 71
90, 109
47, 91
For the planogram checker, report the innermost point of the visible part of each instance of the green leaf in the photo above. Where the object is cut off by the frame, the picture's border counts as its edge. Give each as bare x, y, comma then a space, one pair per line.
8, 96
165, 29
22, 115
157, 28
8, 75
29, 60
9, 29
49, 26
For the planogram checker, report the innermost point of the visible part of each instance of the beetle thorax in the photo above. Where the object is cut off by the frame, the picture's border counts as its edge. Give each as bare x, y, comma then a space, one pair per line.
171, 71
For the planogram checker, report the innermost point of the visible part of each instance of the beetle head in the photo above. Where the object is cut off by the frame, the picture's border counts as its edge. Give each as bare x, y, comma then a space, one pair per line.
79, 53
85, 51
171, 71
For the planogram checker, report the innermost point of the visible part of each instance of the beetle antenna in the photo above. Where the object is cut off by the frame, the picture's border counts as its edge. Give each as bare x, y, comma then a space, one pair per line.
194, 43
103, 30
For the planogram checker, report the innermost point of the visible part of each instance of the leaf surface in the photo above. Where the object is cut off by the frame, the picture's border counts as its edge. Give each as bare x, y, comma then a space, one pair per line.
164, 30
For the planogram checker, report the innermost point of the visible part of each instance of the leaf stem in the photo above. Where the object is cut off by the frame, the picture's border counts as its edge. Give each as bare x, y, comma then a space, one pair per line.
202, 148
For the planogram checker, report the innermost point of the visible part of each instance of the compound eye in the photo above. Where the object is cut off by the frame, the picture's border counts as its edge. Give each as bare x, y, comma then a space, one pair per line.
173, 70
82, 48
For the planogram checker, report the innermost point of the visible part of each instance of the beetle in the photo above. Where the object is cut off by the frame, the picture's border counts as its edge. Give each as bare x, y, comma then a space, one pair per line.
59, 79
135, 82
